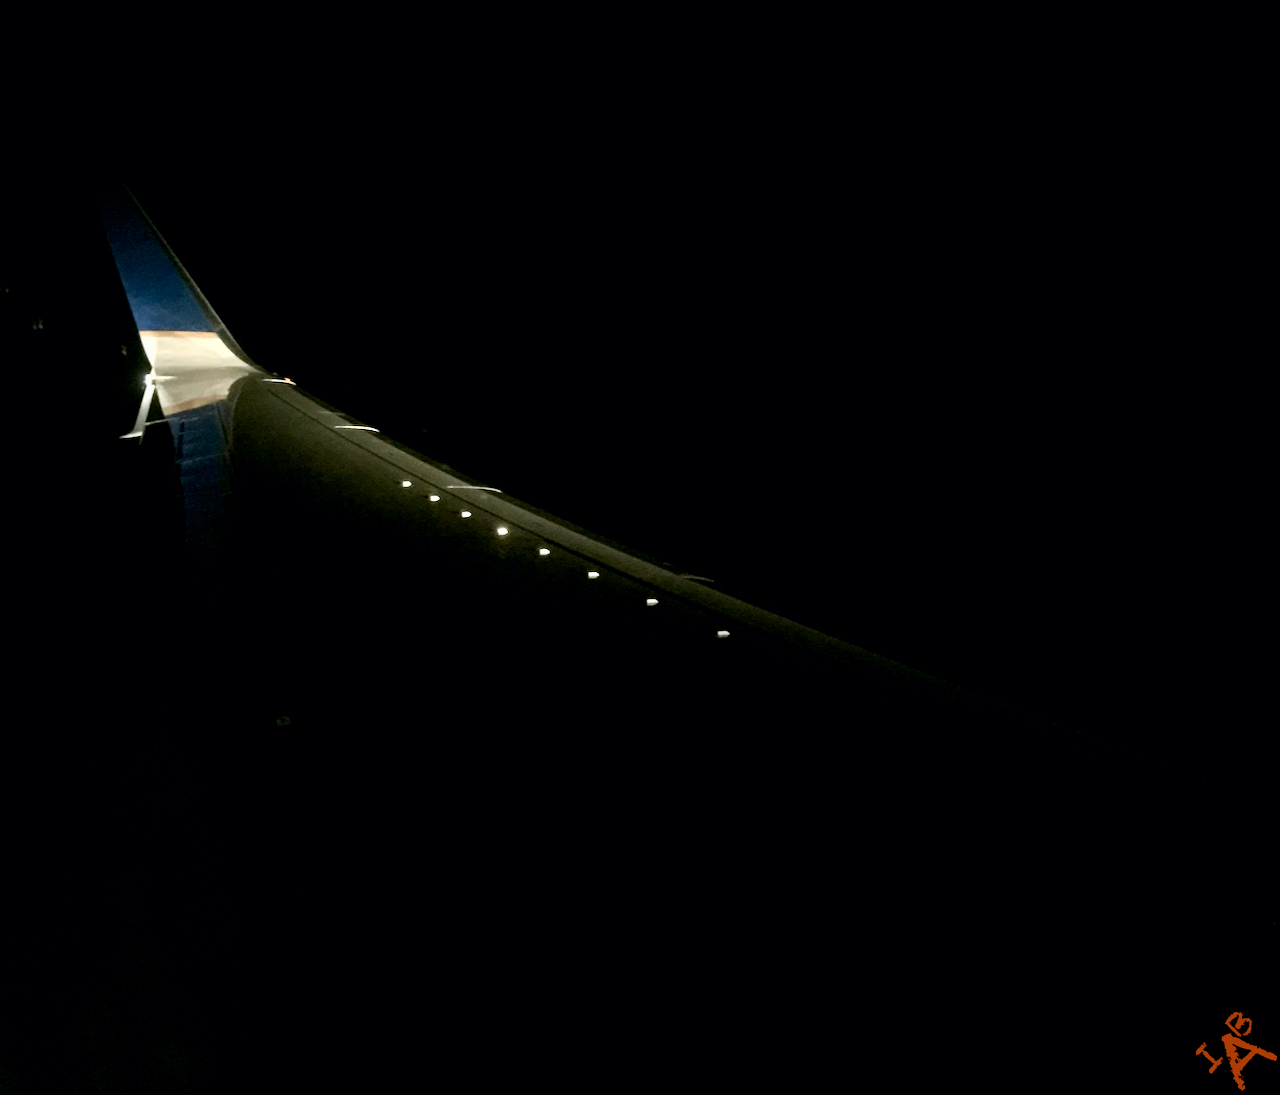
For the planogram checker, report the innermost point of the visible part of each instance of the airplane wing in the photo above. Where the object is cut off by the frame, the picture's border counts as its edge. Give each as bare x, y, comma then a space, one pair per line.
385, 586
430, 583
378, 691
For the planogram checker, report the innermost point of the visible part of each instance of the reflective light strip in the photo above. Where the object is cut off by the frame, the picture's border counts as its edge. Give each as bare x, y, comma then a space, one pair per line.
140, 424
461, 486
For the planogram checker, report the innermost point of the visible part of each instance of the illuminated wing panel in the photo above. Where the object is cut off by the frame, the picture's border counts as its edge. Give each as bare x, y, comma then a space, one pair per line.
377, 533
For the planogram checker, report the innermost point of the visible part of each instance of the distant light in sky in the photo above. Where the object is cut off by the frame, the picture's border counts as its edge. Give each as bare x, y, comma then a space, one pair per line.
544, 551
502, 532
466, 513
593, 574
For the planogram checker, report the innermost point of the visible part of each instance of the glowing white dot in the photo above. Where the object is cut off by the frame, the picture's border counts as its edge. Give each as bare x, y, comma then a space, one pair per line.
502, 532
544, 551
466, 513
405, 483
435, 498
593, 574
651, 601
722, 634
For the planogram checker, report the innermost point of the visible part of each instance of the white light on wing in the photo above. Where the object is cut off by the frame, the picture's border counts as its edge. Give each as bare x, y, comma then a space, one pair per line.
593, 574
543, 551
466, 513
502, 532
651, 601
722, 634
405, 483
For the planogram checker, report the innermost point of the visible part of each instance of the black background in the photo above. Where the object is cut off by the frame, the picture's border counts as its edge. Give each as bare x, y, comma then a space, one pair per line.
900, 331
882, 267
